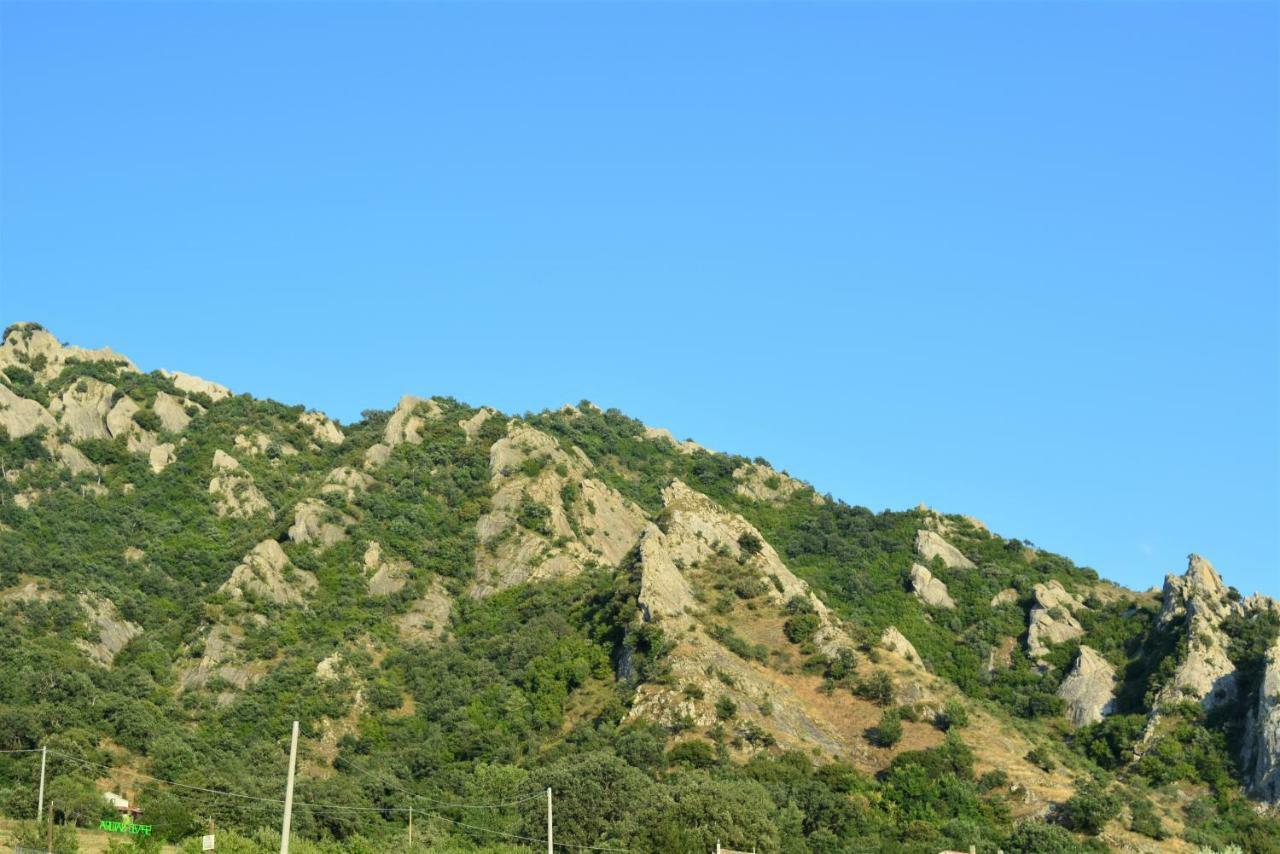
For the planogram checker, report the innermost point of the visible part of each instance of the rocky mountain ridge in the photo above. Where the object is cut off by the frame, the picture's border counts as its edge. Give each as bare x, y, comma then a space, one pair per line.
755, 613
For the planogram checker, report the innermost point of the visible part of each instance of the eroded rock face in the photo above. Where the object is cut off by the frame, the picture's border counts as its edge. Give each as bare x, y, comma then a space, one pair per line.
406, 423
267, 573
761, 483
82, 408
471, 426
196, 385
549, 516
161, 456
113, 632
1008, 596
1199, 599
1089, 689
928, 589
346, 481
427, 619
1261, 756
662, 434
234, 492
36, 349
930, 545
22, 417
317, 523
172, 412
895, 641
1051, 620
385, 575
324, 430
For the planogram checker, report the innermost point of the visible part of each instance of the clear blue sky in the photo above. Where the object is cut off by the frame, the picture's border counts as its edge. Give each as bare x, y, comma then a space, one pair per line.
1016, 260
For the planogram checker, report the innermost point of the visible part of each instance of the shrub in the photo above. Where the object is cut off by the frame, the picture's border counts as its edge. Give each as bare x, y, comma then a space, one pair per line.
889, 731
953, 714
726, 708
878, 688
1090, 808
750, 544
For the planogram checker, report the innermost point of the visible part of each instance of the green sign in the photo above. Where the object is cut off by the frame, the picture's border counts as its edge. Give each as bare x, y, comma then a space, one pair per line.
125, 827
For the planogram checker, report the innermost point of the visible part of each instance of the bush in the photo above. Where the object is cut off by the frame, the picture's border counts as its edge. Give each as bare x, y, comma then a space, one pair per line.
878, 688
889, 731
801, 628
953, 714
1090, 808
726, 708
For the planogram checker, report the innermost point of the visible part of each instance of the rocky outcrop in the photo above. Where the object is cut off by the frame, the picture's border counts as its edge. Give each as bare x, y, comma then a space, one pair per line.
549, 516
385, 575
32, 347
896, 642
161, 457
267, 574
172, 412
930, 545
1261, 755
471, 426
320, 427
22, 417
1089, 689
1051, 619
661, 434
346, 481
761, 483
1200, 602
928, 589
233, 489
427, 617
317, 523
82, 409
408, 419
1008, 596
195, 385
109, 632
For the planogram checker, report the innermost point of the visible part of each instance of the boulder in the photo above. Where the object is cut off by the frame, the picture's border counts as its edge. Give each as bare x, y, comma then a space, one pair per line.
172, 412
928, 589
930, 545
895, 641
1007, 596
1089, 689
160, 457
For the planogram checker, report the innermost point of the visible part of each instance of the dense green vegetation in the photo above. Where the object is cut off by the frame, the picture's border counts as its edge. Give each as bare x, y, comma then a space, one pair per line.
530, 688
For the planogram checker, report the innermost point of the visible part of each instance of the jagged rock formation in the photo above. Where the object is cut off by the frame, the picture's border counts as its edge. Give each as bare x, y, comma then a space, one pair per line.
1050, 619
761, 483
895, 641
1261, 754
233, 489
1198, 600
110, 632
471, 426
385, 575
549, 517
324, 430
930, 545
266, 573
30, 346
928, 589
318, 523
1089, 688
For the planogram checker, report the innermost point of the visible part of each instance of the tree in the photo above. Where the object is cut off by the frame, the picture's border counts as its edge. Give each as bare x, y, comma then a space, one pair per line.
889, 731
1090, 808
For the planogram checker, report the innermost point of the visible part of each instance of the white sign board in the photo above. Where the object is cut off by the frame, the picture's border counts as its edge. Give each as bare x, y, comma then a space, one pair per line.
206, 842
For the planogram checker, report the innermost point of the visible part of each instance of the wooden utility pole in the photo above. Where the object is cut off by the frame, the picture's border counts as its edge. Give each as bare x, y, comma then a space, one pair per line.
40, 802
550, 831
288, 792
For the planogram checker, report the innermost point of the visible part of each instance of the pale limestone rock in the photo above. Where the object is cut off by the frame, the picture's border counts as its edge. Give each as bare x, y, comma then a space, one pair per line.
196, 385
172, 412
133, 554
928, 589
112, 631
221, 646
376, 456
386, 575
1261, 755
347, 482
27, 343
428, 617
267, 573
471, 426
22, 417
895, 641
1050, 619
929, 545
1206, 675
330, 669
82, 408
234, 492
1089, 689
324, 430
76, 462
161, 456
661, 434
120, 423
318, 523
1007, 596
761, 483
593, 525
406, 423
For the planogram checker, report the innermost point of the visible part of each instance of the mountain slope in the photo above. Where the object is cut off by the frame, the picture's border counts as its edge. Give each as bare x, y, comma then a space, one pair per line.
460, 605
